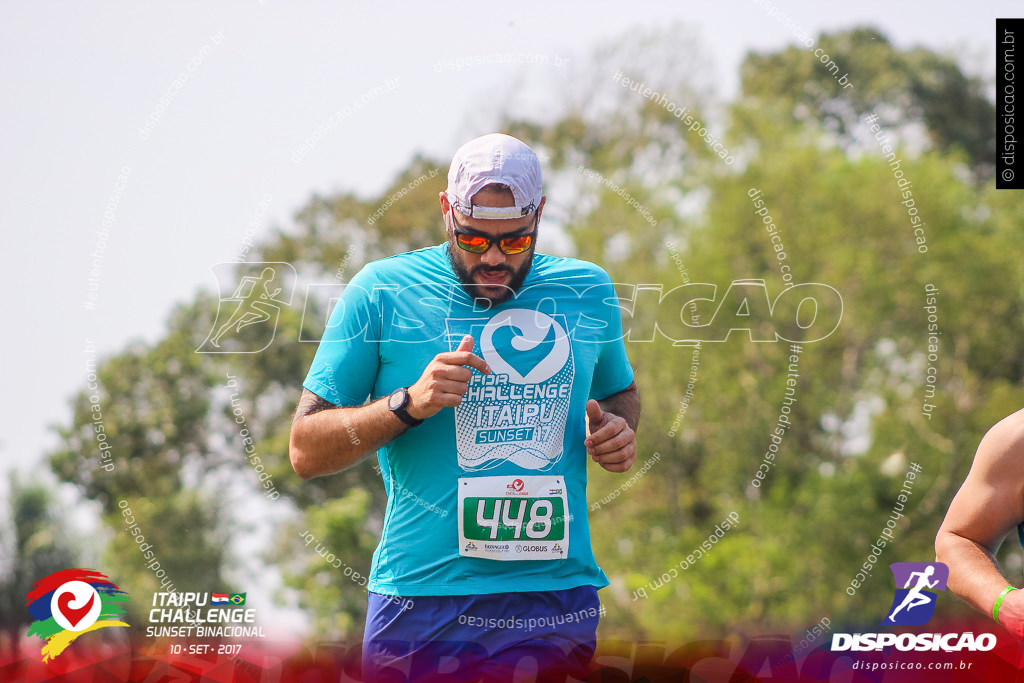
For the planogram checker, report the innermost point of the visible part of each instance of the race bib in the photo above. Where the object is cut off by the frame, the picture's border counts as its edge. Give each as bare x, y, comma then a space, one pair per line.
514, 518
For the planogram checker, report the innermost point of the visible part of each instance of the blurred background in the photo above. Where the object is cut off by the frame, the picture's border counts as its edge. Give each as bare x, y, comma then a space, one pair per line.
154, 155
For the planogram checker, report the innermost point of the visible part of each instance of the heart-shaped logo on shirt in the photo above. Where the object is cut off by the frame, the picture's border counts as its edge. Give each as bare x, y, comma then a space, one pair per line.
528, 346
523, 361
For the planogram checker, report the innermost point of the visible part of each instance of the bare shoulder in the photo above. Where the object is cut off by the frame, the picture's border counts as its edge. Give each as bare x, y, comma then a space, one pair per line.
1001, 451
990, 503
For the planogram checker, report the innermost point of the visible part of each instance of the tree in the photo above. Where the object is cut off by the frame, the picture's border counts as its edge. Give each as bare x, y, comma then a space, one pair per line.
34, 546
910, 90
152, 406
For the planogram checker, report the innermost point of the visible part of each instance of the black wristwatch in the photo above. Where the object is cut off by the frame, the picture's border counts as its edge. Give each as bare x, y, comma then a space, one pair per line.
398, 401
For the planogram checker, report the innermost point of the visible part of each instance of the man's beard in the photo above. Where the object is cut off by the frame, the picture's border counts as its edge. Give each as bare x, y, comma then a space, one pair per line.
476, 290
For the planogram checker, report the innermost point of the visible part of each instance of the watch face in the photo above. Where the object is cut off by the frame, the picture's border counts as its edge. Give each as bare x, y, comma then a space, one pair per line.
396, 399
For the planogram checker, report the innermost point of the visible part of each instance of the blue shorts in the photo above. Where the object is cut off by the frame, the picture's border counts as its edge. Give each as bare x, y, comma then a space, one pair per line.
480, 637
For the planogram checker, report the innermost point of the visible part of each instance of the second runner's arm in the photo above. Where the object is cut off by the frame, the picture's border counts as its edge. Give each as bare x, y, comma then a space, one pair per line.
988, 506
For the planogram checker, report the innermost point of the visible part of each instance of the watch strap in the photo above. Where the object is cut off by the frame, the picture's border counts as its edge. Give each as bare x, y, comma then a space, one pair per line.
401, 411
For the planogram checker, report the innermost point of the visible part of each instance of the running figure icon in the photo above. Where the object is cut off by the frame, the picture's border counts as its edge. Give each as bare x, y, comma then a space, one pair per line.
251, 309
916, 597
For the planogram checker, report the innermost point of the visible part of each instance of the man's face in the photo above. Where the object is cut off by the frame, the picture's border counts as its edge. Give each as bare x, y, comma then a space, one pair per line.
491, 275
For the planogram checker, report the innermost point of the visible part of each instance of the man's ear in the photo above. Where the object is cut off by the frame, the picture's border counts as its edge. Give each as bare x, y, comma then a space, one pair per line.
445, 208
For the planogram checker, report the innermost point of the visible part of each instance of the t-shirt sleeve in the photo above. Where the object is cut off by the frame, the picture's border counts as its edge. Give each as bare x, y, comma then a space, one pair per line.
613, 373
346, 362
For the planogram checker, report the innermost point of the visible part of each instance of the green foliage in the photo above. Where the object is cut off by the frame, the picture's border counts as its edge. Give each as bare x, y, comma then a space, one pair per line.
915, 86
33, 547
186, 533
326, 561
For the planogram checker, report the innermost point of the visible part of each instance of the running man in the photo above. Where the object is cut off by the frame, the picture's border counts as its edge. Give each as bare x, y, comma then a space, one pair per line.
492, 371
988, 506
915, 598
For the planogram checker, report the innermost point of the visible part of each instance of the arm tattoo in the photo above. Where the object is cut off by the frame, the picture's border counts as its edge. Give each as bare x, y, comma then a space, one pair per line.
310, 403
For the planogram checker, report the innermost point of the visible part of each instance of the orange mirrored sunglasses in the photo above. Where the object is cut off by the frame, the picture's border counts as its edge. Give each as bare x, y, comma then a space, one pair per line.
478, 243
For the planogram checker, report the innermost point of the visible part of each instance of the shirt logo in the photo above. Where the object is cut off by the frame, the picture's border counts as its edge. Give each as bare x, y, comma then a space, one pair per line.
534, 346
517, 413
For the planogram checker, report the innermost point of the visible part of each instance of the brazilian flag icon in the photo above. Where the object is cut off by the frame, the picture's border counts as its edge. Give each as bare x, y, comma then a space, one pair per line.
237, 598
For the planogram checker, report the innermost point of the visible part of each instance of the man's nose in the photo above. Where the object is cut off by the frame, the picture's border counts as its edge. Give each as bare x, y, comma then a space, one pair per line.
493, 255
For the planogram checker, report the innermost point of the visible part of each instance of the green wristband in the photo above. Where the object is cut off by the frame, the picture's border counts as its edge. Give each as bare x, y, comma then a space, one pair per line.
999, 601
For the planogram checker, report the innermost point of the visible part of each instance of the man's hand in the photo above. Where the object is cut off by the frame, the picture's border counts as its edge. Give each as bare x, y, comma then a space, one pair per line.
609, 440
445, 380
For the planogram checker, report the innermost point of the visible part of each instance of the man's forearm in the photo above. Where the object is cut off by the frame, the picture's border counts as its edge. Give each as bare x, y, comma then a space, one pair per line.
973, 572
329, 440
625, 404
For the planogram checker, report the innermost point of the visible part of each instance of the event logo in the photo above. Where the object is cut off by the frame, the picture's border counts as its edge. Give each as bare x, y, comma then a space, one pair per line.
71, 602
255, 303
517, 413
914, 603
534, 345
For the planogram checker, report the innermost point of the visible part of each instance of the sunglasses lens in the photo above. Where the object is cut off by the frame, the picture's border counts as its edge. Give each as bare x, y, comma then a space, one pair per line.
516, 245
473, 243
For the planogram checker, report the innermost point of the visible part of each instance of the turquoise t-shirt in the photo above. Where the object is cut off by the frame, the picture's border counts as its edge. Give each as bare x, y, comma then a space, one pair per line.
490, 496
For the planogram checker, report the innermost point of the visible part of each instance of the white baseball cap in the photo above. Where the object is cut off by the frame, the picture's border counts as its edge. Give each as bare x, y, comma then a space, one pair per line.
489, 159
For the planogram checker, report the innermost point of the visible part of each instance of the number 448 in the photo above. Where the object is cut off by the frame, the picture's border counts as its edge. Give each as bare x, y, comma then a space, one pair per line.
531, 515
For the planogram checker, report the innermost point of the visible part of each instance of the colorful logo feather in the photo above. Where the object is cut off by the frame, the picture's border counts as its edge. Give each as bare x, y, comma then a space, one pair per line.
71, 602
